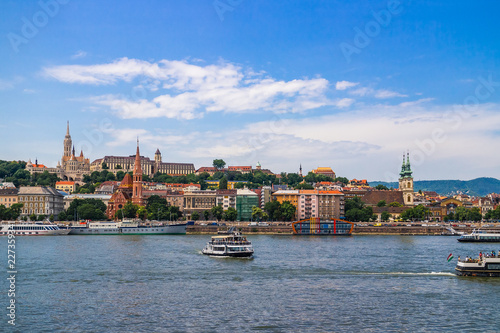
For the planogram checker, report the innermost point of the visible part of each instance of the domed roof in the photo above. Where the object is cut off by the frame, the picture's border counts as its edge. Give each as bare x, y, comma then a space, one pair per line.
127, 181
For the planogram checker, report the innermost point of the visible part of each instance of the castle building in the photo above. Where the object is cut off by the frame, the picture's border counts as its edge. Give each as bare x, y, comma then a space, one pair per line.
71, 167
406, 181
149, 167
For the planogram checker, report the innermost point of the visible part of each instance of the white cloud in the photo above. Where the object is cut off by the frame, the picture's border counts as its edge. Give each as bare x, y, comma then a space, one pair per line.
79, 54
377, 93
343, 85
186, 91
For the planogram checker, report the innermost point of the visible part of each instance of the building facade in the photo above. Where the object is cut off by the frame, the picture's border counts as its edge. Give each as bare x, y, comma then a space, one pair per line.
328, 172
40, 200
245, 200
130, 190
149, 167
8, 197
66, 186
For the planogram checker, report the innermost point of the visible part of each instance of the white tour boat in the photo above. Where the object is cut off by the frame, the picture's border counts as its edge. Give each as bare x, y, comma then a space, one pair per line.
480, 236
486, 265
31, 229
233, 244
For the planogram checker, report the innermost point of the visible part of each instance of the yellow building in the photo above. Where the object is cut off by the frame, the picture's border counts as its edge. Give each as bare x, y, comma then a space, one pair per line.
68, 187
325, 172
287, 195
8, 196
231, 184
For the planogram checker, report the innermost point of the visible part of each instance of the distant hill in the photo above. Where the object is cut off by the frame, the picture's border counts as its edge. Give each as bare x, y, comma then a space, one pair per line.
477, 187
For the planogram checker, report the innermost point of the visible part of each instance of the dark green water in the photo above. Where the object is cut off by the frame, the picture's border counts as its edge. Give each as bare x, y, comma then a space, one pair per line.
294, 284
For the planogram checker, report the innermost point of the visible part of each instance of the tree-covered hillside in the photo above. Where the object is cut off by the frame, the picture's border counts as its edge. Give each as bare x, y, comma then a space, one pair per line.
478, 187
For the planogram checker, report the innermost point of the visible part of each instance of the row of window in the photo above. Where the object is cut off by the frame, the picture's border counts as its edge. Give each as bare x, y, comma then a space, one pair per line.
33, 198
9, 199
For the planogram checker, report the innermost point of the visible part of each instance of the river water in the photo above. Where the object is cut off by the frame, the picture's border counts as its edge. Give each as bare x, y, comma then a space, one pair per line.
293, 284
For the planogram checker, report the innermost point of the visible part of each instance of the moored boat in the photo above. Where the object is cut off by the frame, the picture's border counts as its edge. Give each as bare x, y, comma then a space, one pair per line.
229, 245
126, 227
485, 265
32, 229
316, 226
480, 236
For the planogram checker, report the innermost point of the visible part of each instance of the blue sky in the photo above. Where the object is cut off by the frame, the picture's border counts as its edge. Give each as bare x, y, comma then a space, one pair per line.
346, 84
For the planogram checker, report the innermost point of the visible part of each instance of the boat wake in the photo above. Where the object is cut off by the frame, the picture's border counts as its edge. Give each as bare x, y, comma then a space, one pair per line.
414, 274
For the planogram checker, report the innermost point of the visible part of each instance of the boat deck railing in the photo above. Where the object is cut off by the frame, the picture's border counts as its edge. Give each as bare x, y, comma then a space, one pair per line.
478, 260
231, 243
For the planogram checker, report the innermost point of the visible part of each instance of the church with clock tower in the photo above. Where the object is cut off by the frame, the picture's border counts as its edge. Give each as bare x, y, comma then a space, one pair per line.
406, 181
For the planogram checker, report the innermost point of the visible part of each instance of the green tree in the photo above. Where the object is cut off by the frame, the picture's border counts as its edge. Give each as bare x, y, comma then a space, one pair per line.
385, 215
195, 216
395, 204
119, 175
304, 186
381, 203
130, 210
142, 213
104, 166
355, 210
416, 213
230, 214
223, 183
219, 164
217, 212
273, 210
343, 180
206, 214
174, 213
288, 211
382, 187
256, 213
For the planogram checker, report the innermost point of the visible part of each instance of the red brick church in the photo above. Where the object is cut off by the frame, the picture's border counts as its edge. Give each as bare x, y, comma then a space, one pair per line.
130, 189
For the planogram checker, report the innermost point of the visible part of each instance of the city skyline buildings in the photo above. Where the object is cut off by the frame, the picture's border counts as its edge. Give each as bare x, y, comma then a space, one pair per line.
344, 85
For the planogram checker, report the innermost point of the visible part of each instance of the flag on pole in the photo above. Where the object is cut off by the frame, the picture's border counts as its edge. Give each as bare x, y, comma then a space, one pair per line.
450, 257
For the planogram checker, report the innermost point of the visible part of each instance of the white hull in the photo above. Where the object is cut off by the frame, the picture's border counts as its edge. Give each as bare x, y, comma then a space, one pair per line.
31, 229
174, 229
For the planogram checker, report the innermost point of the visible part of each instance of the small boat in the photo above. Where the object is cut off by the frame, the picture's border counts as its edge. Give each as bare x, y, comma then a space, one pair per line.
233, 244
480, 236
483, 266
32, 229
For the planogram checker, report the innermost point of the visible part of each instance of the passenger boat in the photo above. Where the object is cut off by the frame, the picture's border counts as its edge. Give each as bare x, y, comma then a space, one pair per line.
315, 226
233, 244
488, 266
126, 227
32, 229
480, 236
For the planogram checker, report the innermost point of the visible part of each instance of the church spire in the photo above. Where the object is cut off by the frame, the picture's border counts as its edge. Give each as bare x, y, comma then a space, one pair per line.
403, 167
137, 182
408, 167
67, 130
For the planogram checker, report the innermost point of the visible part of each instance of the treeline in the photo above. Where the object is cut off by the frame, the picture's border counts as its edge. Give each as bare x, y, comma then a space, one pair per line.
15, 172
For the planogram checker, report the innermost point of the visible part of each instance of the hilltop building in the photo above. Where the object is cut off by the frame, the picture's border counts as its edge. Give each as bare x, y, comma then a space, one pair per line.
71, 167
328, 172
148, 167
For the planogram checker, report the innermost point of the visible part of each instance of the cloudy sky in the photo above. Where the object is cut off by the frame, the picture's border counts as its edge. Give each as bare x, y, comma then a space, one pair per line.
345, 84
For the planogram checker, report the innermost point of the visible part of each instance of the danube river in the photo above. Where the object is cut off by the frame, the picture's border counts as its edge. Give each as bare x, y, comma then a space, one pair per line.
293, 284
